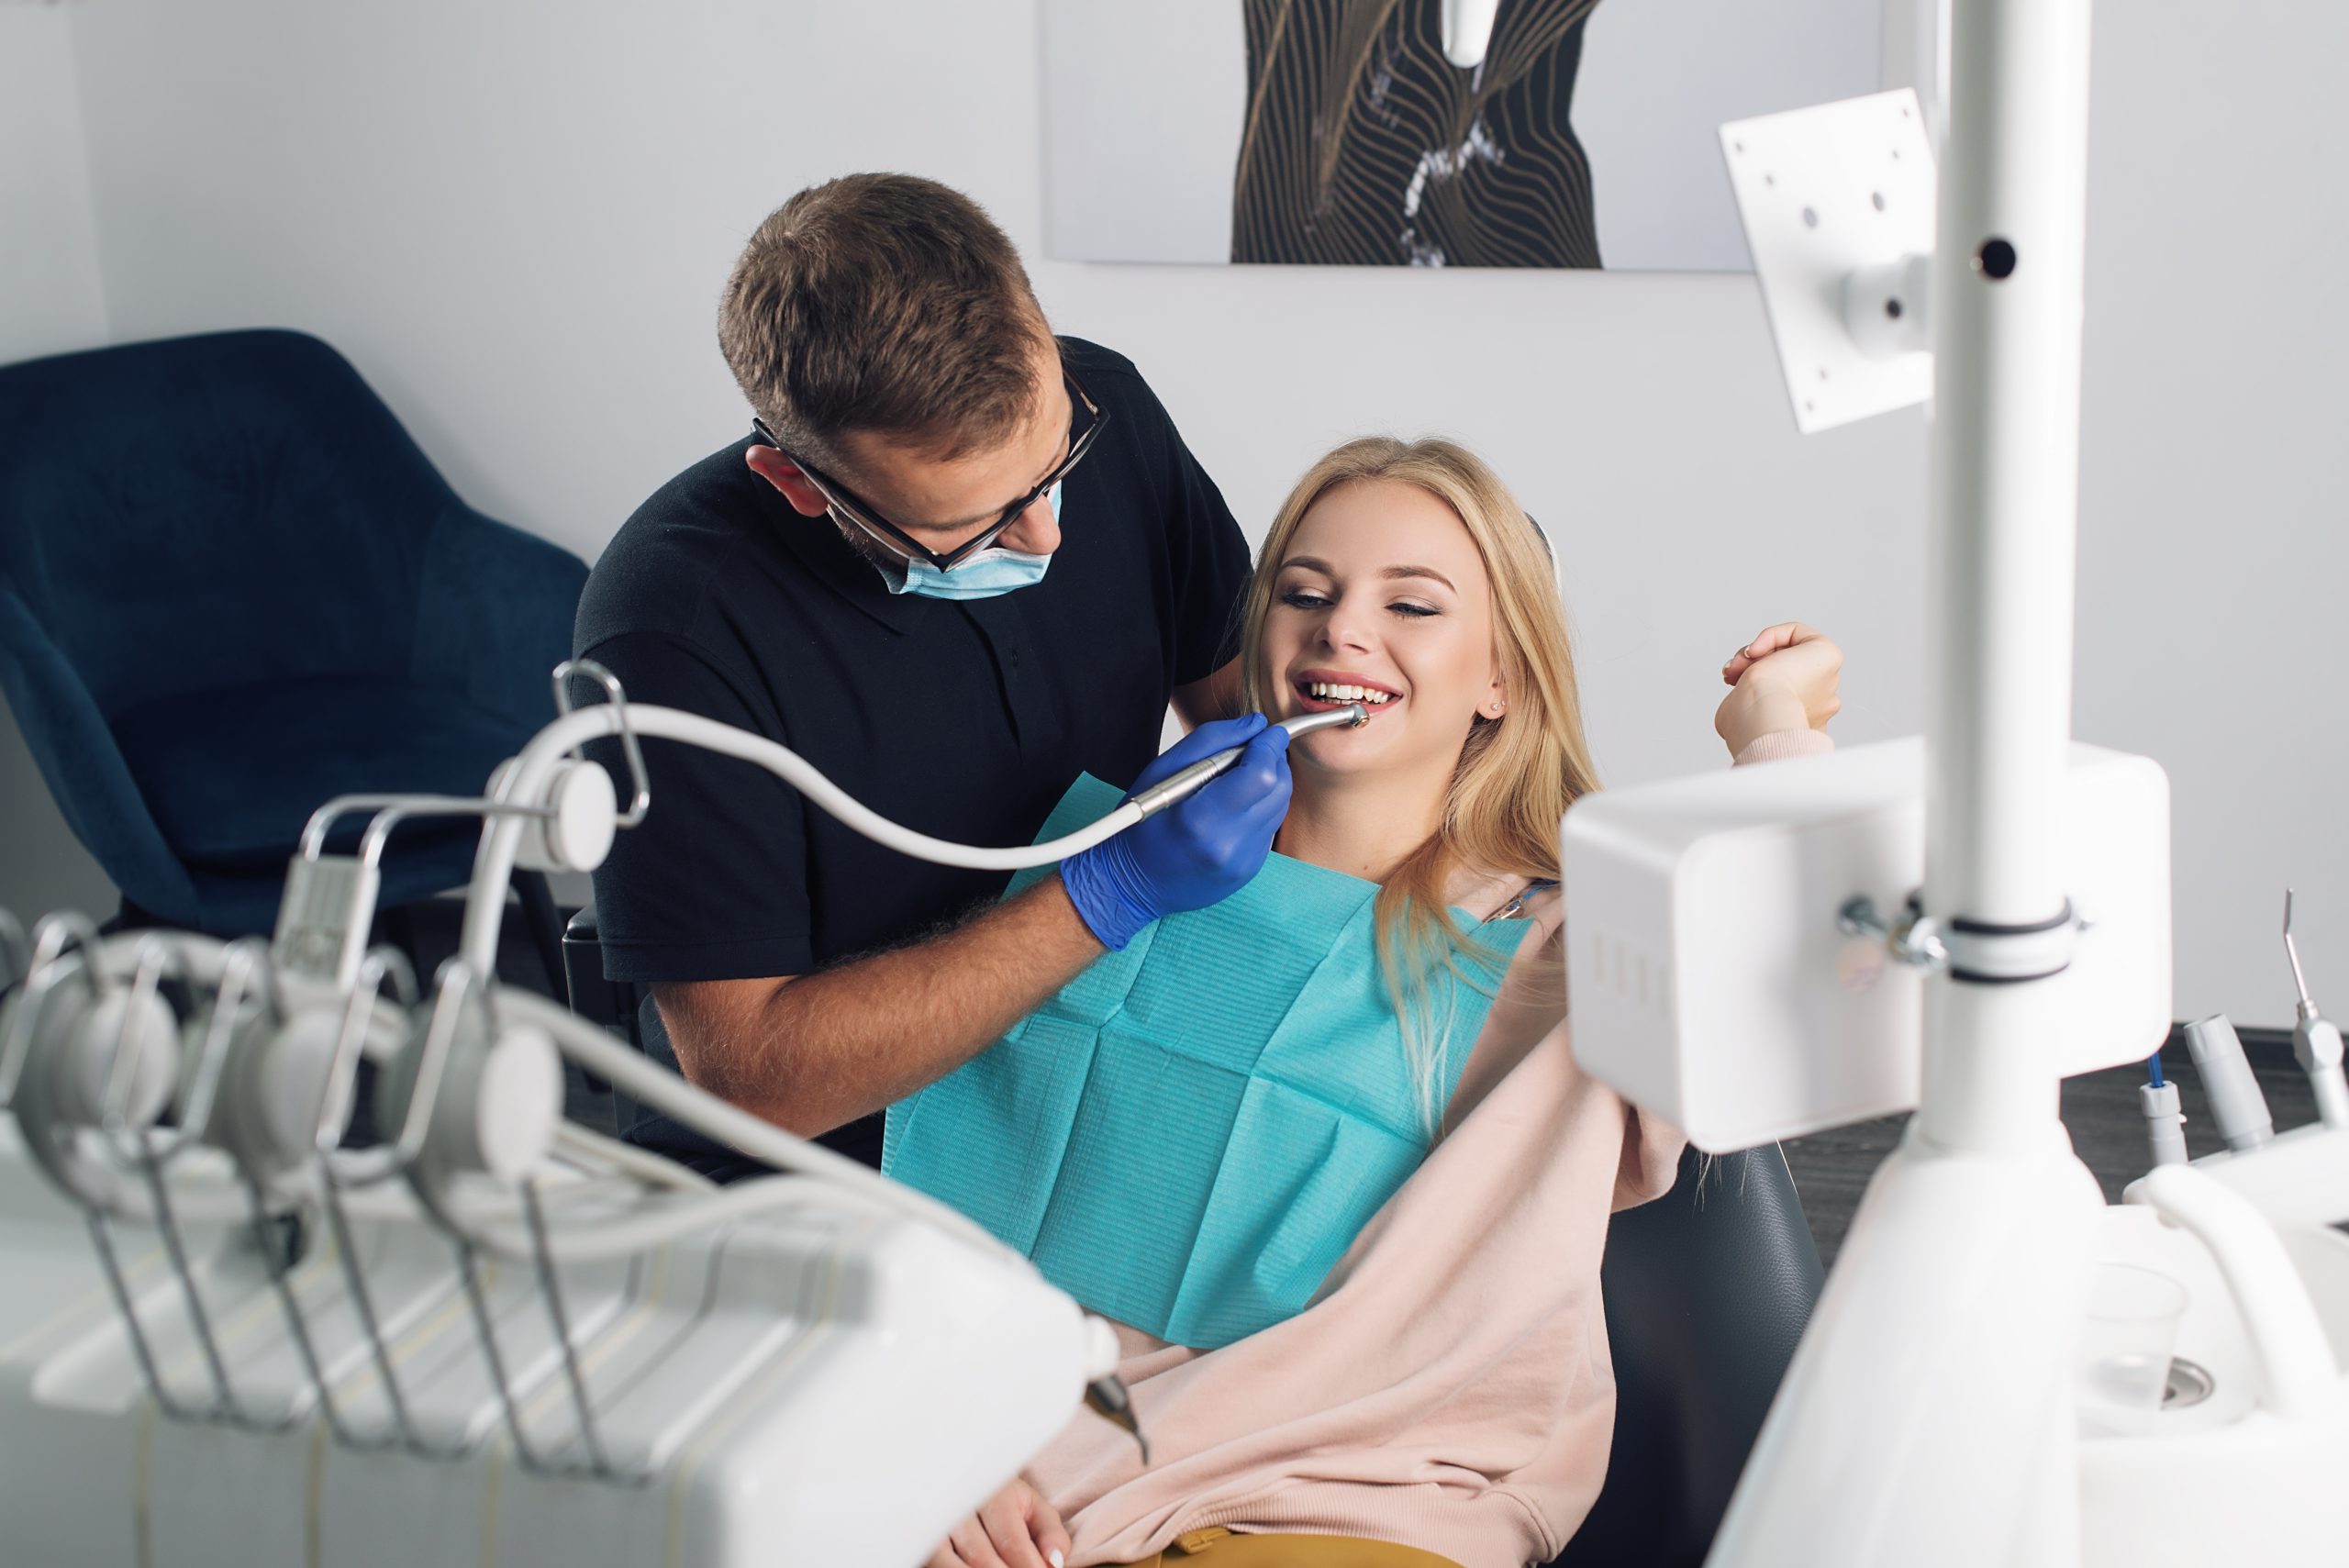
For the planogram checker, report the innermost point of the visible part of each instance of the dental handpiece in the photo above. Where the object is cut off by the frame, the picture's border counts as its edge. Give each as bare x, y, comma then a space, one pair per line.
2316, 1041
1180, 786
2237, 1107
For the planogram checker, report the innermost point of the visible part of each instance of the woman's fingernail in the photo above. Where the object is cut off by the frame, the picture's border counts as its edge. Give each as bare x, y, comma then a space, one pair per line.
1058, 1557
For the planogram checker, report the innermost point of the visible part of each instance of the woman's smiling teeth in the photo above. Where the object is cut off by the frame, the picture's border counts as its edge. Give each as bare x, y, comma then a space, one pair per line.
1331, 692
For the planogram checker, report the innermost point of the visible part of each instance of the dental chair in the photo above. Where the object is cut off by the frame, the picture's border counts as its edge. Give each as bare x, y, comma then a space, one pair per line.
231, 587
1706, 1292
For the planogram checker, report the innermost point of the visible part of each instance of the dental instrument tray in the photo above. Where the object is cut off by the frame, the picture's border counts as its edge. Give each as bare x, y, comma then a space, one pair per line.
563, 1364
235, 1338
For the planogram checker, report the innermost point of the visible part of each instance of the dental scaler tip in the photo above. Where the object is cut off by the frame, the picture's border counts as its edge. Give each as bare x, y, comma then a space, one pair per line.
2316, 1042
1180, 786
2299, 980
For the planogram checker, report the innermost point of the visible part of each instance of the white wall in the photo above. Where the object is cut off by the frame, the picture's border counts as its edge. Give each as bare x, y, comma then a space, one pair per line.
49, 301
2214, 477
515, 219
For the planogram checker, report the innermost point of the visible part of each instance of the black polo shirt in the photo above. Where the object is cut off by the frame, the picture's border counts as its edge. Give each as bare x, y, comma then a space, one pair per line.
962, 719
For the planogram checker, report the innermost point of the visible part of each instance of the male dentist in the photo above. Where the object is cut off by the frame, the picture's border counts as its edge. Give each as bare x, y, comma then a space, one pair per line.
878, 578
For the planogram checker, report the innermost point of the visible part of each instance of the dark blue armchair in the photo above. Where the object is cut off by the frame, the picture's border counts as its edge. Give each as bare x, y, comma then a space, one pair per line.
232, 587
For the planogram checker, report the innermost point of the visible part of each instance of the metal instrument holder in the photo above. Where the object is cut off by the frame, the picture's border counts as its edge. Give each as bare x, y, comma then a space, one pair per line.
121, 1140
245, 959
135, 1146
311, 888
458, 988
252, 969
248, 969
640, 783
138, 1147
337, 1171
390, 810
51, 936
47, 967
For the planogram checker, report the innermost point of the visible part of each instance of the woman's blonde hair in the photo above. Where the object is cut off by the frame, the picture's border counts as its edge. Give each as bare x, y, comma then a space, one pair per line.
1517, 774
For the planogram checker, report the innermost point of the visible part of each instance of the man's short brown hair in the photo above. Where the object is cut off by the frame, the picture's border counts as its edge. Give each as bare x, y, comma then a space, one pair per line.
883, 303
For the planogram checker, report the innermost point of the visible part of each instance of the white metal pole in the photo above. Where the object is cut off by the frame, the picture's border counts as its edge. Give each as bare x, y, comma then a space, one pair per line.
1928, 1417
2005, 472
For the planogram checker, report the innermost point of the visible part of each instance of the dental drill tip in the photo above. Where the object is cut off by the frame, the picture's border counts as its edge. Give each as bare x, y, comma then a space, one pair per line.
1353, 715
1107, 1398
2299, 980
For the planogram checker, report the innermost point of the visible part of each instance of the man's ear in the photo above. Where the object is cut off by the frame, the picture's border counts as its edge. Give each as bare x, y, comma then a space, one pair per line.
784, 474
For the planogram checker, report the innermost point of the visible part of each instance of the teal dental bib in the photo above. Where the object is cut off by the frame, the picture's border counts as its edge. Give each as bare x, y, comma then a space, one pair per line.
1189, 1136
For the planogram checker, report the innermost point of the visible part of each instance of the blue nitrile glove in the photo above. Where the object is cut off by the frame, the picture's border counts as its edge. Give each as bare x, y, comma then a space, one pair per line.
1197, 851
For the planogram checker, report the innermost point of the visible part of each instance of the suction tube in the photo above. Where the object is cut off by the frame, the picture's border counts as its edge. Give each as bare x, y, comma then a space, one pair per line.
527, 779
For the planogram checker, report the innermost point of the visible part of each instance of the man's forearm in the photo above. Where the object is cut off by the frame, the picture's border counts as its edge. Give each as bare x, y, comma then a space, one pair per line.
824, 1048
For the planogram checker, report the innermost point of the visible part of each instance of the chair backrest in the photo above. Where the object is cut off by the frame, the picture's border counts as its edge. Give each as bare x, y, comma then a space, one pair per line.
147, 490
1708, 1290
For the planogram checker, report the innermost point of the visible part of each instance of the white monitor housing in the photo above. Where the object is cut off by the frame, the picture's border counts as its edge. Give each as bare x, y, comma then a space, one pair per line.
1712, 981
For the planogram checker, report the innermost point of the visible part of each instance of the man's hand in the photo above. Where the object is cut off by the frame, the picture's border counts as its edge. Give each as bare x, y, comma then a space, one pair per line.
1196, 852
1783, 679
1014, 1529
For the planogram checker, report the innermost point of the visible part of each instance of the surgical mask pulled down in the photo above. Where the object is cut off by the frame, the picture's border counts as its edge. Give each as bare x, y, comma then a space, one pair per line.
985, 576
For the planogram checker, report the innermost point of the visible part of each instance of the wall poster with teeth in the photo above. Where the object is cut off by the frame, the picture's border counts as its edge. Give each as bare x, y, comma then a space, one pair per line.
1336, 132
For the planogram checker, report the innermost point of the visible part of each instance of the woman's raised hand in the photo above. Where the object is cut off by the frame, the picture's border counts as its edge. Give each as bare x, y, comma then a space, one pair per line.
1783, 679
1014, 1529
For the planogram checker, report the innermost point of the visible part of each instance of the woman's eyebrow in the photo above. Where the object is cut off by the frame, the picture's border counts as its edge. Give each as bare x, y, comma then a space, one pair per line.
1315, 564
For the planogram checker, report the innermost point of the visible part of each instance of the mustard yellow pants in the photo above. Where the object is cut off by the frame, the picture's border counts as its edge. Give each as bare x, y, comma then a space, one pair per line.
1218, 1548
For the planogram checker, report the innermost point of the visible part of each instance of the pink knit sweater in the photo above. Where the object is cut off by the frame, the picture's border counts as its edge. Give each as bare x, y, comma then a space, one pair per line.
1450, 1388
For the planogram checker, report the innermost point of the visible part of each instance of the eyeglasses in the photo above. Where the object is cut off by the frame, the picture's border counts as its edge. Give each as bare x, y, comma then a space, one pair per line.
1086, 421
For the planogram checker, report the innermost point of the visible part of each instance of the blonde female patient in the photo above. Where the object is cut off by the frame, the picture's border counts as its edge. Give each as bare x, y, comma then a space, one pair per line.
1323, 1152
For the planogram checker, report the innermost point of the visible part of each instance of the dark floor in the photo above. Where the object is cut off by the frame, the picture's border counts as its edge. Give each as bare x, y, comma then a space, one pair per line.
1831, 1169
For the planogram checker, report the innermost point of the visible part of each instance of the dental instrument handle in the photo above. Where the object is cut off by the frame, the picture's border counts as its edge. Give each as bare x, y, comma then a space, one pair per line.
2165, 1123
2316, 1044
1181, 785
2316, 1041
2237, 1106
